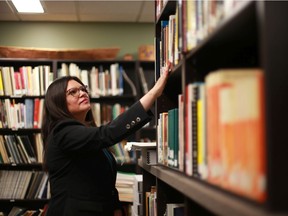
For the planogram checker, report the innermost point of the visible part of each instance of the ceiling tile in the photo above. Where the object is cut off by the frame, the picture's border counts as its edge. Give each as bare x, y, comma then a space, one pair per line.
57, 7
147, 12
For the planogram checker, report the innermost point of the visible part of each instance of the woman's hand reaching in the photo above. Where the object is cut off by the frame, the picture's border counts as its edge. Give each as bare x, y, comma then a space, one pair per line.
148, 99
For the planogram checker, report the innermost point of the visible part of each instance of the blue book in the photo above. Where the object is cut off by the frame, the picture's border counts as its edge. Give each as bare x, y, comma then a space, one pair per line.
29, 107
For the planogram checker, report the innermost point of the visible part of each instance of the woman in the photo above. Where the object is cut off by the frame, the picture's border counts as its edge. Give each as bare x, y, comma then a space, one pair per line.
81, 170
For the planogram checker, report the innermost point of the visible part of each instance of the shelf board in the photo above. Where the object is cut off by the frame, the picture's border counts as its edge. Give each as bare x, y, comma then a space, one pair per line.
22, 201
33, 166
215, 199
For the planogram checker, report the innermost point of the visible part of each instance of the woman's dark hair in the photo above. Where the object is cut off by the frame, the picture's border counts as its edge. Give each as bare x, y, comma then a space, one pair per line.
55, 107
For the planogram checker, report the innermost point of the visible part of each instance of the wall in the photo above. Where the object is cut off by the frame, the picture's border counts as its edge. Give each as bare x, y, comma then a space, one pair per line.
69, 35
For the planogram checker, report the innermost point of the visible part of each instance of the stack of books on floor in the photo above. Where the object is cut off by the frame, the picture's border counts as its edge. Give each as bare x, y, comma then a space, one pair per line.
137, 207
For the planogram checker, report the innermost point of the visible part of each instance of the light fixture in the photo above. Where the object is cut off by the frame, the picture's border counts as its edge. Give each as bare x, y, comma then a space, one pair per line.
28, 6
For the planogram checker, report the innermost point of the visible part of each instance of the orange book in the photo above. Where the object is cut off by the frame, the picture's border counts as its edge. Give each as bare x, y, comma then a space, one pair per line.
36, 112
235, 131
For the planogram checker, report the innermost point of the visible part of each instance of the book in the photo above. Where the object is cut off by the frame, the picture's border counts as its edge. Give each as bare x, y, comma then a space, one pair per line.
36, 112
15, 211
173, 144
140, 145
143, 80
148, 151
28, 147
181, 152
162, 132
201, 133
235, 131
7, 81
1, 83
3, 151
188, 130
29, 113
11, 146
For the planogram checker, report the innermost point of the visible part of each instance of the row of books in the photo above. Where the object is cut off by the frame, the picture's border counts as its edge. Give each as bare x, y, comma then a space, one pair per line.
192, 22
34, 81
25, 81
30, 113
24, 185
220, 136
105, 113
159, 6
18, 149
101, 82
21, 115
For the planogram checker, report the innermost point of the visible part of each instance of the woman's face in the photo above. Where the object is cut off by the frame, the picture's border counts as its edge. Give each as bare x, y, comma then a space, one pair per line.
77, 99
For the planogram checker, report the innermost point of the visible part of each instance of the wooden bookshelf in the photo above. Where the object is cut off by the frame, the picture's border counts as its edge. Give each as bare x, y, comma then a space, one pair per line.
129, 96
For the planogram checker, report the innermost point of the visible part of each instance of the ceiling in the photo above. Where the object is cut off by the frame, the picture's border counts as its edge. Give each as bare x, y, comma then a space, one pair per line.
137, 11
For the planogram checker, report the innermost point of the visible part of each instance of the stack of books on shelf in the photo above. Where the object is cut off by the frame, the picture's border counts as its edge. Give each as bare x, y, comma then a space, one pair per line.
137, 207
124, 185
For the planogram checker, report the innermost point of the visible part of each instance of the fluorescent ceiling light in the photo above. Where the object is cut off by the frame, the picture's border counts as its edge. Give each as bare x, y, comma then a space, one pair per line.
28, 6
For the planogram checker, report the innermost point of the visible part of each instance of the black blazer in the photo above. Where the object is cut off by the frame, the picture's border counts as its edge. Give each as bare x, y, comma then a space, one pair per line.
82, 171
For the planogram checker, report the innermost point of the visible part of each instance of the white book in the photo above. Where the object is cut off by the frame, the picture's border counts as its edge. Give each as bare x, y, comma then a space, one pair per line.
36, 81
84, 77
93, 84
74, 70
114, 68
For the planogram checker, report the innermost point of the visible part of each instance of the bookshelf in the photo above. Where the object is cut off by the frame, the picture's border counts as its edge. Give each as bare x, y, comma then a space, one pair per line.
241, 39
129, 94
18, 112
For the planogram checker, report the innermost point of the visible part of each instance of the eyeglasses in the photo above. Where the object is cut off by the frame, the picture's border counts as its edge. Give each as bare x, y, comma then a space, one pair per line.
75, 92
